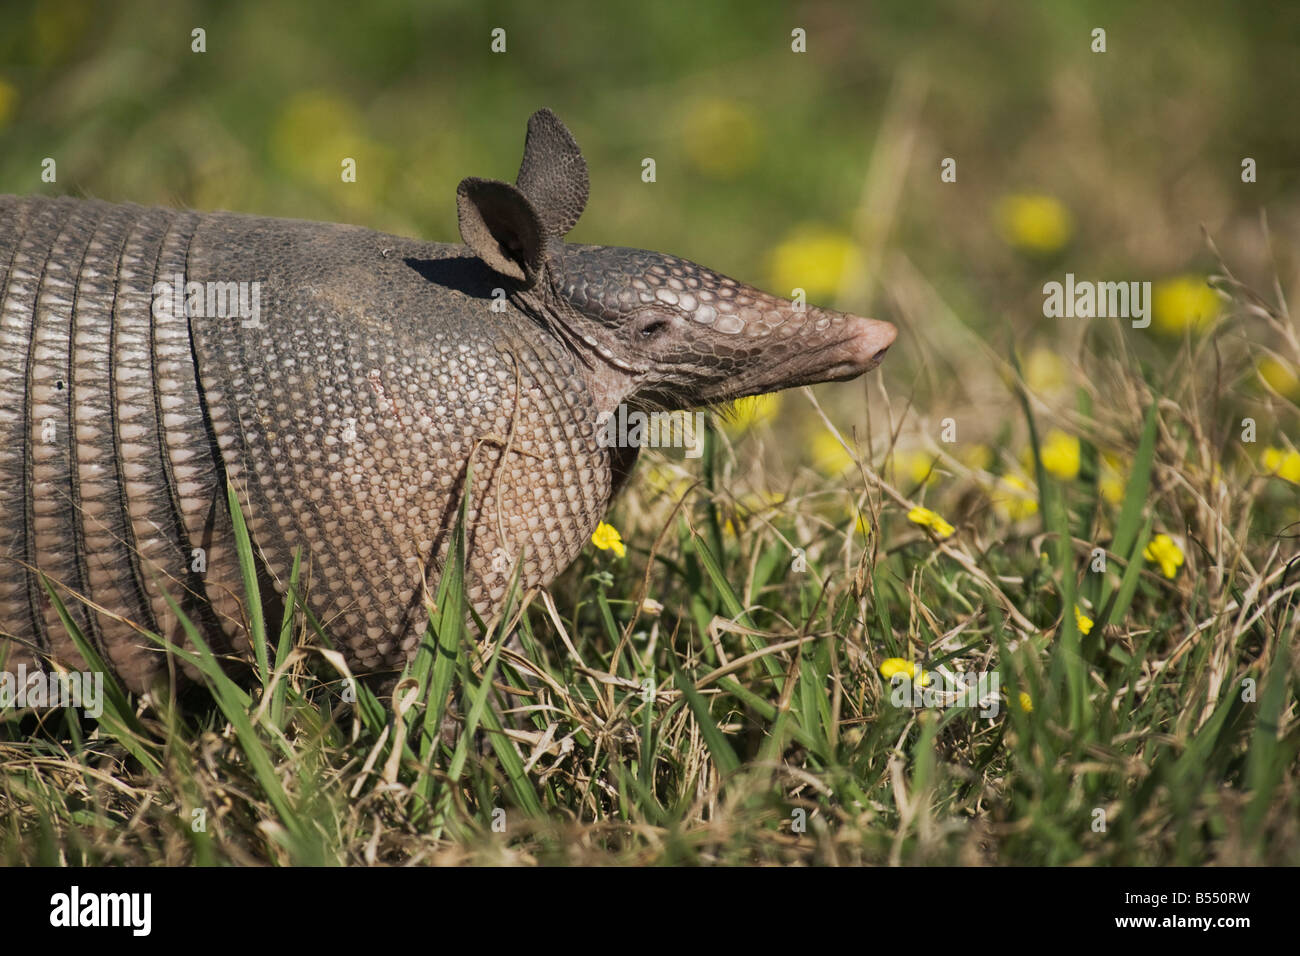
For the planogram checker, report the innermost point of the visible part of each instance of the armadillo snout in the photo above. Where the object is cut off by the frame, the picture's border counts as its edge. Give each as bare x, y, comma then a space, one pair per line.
694, 336
869, 340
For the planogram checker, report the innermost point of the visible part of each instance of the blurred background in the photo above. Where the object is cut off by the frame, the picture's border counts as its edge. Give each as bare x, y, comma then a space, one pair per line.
818, 169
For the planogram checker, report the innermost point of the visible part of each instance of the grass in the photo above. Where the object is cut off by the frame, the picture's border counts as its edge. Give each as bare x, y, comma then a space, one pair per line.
703, 700
708, 700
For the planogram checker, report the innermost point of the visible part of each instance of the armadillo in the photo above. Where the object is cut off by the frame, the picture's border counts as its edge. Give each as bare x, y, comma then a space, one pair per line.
342, 381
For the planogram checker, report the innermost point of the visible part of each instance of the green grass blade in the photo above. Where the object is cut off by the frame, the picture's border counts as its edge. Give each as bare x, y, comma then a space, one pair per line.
118, 718
252, 594
235, 705
280, 691
1131, 514
1132, 575
725, 758
732, 603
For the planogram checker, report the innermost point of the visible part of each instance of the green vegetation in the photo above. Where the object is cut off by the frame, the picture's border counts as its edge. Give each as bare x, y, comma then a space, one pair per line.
715, 694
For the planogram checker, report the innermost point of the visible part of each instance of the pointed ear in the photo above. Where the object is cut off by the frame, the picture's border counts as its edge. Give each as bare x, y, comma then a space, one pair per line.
553, 174
500, 226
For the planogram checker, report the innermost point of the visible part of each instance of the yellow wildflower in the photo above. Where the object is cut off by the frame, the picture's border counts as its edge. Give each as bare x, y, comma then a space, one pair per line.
896, 665
1111, 488
1026, 702
757, 502
1281, 377
750, 504
814, 258
1111, 483
667, 480
1045, 371
1034, 223
751, 411
1082, 620
1013, 499
1163, 551
914, 466
978, 457
1283, 462
607, 538
1060, 454
1184, 302
928, 519
829, 456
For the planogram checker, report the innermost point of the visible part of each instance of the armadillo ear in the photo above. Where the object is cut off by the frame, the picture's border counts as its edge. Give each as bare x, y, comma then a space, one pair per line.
553, 174
500, 226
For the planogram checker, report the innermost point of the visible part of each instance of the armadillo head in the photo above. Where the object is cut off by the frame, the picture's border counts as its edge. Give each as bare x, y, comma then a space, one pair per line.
647, 327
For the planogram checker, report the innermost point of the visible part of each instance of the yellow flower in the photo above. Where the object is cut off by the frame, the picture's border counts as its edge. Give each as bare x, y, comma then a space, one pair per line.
1163, 551
607, 538
892, 666
1013, 499
664, 479
928, 519
863, 527
978, 457
1111, 483
720, 136
757, 502
751, 411
1281, 377
1184, 302
747, 506
1045, 371
829, 456
1082, 620
1283, 462
914, 466
1060, 454
1034, 223
1026, 702
814, 258
1111, 488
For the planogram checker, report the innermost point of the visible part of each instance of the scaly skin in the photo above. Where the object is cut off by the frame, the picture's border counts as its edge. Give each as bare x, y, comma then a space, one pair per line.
346, 417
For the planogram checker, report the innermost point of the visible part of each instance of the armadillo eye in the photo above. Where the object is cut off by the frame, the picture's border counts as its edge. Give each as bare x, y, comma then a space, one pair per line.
651, 327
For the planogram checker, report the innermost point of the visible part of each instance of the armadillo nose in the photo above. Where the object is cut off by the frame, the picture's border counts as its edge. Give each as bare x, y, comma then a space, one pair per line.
871, 340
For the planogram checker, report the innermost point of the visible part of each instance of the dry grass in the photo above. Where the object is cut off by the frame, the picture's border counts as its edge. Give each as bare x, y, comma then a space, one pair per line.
703, 701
